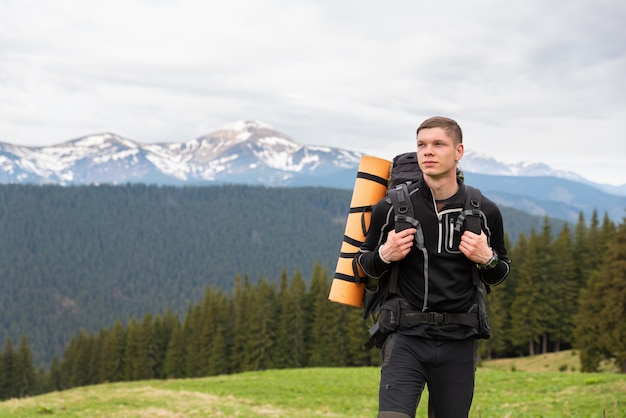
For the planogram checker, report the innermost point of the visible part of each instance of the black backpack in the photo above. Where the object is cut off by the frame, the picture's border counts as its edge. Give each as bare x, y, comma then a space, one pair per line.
404, 177
405, 169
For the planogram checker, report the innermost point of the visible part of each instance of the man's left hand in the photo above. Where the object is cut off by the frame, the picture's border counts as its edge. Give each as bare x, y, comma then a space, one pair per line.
475, 247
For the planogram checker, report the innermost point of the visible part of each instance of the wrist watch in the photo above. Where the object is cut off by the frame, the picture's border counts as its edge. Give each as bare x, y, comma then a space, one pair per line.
493, 261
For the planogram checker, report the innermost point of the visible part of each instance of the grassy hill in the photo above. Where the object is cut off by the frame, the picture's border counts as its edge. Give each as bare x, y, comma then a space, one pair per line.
530, 391
563, 361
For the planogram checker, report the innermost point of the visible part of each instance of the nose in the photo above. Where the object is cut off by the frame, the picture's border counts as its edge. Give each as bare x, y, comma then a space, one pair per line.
427, 150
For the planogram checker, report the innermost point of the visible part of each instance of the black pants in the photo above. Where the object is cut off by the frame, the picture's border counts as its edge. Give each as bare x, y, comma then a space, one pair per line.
409, 363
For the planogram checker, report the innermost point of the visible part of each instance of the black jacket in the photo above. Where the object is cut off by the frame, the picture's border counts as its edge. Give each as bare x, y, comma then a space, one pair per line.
450, 284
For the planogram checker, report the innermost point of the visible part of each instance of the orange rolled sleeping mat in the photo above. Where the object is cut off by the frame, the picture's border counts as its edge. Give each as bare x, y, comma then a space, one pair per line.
370, 186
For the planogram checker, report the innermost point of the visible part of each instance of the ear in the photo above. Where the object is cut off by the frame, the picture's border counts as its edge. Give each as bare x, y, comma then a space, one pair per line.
459, 152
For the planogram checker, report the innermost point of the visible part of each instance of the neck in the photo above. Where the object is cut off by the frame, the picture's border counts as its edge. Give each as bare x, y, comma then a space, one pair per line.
442, 188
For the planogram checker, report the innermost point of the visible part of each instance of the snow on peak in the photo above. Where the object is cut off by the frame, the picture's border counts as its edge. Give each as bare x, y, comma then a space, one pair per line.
279, 143
478, 163
246, 125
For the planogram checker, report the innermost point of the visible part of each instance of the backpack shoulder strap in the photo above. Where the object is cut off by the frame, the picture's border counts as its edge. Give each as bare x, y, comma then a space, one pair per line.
404, 219
400, 200
404, 216
472, 213
472, 217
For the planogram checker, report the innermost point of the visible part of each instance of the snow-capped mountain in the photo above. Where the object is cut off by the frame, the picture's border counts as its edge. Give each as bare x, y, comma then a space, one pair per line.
248, 152
251, 152
244, 152
477, 163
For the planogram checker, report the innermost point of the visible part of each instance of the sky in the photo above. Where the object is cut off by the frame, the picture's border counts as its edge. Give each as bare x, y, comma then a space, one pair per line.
530, 80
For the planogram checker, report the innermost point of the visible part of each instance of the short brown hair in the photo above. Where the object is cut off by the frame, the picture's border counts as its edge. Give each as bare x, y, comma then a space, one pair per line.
451, 128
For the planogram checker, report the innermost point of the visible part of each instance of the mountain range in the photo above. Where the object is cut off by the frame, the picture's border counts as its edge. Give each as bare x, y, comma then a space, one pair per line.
254, 153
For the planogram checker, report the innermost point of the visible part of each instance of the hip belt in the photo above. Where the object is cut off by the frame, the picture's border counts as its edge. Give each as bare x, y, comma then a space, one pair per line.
397, 314
412, 318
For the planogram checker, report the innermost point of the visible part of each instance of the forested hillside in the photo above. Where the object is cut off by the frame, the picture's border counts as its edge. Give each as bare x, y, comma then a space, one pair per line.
81, 257
565, 291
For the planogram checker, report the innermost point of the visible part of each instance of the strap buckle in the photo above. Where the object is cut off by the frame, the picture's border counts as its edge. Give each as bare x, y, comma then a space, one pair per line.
436, 318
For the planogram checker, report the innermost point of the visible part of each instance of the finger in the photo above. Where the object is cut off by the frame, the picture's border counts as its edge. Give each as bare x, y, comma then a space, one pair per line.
407, 232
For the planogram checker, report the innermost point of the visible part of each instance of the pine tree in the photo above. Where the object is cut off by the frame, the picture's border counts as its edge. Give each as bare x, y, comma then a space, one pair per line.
499, 318
326, 344
565, 297
96, 355
133, 340
298, 324
284, 336
112, 354
53, 377
163, 328
67, 364
581, 255
27, 375
176, 355
612, 286
595, 246
221, 344
354, 331
498, 302
192, 328
547, 277
208, 325
146, 356
242, 316
584, 332
600, 327
9, 372
81, 361
525, 319
262, 327
290, 349
608, 230
215, 318
217, 363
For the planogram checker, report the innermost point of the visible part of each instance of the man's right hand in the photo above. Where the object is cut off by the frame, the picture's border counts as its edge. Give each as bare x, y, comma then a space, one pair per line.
398, 244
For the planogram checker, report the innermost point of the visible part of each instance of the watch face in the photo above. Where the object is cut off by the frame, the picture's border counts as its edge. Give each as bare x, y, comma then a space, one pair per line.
491, 263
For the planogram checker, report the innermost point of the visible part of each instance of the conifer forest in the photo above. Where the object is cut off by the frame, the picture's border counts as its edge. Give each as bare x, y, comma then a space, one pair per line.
121, 283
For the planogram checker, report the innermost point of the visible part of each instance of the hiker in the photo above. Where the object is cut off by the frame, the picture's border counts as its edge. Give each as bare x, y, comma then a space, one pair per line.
429, 341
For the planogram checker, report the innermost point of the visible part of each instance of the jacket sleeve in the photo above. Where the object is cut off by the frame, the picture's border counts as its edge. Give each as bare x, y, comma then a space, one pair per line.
496, 275
368, 258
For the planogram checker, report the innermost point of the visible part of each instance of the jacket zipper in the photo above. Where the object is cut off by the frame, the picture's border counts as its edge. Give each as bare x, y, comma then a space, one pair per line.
440, 224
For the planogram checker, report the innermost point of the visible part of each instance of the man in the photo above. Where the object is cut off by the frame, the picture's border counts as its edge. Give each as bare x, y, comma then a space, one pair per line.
437, 279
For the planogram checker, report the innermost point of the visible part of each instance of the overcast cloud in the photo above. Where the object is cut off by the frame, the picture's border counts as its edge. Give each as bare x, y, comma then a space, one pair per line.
527, 80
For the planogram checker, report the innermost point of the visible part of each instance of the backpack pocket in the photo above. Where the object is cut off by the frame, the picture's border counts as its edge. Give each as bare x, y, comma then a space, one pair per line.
389, 319
484, 331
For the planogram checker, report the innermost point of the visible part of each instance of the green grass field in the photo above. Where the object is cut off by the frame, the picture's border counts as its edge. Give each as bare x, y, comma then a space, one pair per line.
539, 386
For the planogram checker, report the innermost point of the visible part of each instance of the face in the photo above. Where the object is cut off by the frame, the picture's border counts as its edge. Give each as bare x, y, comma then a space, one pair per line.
437, 154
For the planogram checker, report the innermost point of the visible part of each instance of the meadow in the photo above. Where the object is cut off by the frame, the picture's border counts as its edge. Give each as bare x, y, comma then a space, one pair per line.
539, 386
